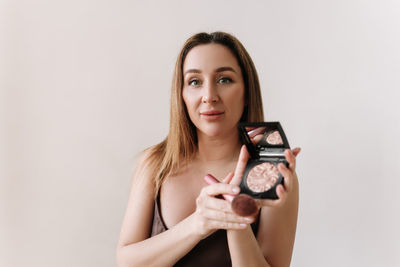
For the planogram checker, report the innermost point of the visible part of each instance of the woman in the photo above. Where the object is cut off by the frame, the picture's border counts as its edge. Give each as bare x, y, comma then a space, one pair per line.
173, 217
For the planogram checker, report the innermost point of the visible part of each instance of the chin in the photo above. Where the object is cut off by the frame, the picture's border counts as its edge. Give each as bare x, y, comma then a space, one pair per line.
211, 132
214, 130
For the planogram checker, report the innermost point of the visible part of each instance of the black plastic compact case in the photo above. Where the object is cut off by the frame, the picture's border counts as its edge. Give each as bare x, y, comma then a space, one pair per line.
266, 143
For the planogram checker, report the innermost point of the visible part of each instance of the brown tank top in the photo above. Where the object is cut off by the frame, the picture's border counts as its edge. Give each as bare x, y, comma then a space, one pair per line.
210, 251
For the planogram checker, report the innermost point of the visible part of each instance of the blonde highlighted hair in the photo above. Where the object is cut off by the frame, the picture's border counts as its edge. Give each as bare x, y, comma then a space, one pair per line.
177, 149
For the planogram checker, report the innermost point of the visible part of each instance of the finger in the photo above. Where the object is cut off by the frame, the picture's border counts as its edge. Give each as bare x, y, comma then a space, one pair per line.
219, 189
291, 159
230, 217
228, 178
296, 151
214, 224
240, 166
209, 179
288, 176
282, 196
217, 204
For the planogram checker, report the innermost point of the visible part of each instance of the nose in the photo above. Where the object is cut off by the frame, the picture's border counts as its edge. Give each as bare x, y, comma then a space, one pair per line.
210, 93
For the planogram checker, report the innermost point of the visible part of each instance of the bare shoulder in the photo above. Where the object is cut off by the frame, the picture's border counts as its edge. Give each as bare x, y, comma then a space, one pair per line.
136, 225
143, 168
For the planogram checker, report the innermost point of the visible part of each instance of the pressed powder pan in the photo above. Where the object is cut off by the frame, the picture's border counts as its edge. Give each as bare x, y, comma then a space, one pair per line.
262, 177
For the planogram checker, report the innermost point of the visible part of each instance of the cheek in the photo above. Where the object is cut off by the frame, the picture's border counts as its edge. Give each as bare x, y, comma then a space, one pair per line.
242, 97
188, 101
190, 98
236, 98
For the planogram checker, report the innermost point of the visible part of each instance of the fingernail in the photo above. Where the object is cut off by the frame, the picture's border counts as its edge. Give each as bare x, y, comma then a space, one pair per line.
236, 190
243, 225
248, 219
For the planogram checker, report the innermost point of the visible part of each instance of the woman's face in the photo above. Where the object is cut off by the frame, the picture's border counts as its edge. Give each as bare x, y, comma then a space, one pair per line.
213, 89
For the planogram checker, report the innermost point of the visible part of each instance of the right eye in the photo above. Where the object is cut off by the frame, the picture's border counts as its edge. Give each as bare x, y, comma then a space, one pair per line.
194, 82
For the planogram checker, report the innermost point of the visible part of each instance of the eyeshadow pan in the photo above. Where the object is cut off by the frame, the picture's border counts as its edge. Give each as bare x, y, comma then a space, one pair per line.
274, 138
262, 177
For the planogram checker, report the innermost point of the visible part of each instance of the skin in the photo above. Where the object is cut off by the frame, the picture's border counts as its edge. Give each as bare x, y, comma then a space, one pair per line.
207, 87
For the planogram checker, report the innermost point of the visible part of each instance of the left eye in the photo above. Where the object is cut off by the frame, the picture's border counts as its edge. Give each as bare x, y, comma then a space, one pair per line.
225, 80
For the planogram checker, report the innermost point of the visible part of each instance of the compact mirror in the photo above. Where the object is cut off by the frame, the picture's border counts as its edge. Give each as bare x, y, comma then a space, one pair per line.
263, 136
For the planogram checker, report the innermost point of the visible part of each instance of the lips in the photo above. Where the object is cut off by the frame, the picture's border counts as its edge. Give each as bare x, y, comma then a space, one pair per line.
211, 115
211, 112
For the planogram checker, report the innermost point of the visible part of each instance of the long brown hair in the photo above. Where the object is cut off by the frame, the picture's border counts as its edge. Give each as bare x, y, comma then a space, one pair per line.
177, 149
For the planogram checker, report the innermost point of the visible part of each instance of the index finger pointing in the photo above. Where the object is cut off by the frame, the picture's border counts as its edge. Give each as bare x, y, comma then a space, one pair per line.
240, 166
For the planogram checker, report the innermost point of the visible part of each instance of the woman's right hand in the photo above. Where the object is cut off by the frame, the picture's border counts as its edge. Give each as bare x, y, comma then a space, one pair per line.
213, 213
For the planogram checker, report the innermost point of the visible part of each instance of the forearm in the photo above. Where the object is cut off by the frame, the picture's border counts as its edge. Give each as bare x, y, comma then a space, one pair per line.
244, 248
164, 249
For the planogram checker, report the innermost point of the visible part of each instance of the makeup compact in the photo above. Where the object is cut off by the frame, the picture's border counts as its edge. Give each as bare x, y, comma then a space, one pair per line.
266, 143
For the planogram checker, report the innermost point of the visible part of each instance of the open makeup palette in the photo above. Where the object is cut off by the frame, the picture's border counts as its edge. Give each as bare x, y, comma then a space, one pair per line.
266, 143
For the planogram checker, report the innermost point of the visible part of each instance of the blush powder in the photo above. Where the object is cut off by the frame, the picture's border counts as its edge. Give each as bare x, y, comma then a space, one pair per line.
274, 138
262, 177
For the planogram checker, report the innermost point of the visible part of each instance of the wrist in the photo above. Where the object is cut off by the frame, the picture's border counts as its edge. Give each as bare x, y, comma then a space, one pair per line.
194, 228
244, 231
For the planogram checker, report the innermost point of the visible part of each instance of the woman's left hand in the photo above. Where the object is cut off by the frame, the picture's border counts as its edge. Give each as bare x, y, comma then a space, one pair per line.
289, 174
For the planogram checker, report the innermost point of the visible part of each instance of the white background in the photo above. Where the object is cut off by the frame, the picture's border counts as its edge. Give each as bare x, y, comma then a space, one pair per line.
85, 87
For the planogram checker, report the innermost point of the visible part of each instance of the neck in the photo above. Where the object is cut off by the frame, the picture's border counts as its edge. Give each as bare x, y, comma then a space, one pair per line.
218, 149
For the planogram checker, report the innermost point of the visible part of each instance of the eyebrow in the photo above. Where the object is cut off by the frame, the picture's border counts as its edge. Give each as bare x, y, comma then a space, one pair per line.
225, 69
221, 69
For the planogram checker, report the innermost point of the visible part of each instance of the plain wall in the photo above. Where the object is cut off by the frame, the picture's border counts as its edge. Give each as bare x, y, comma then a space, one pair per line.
85, 87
